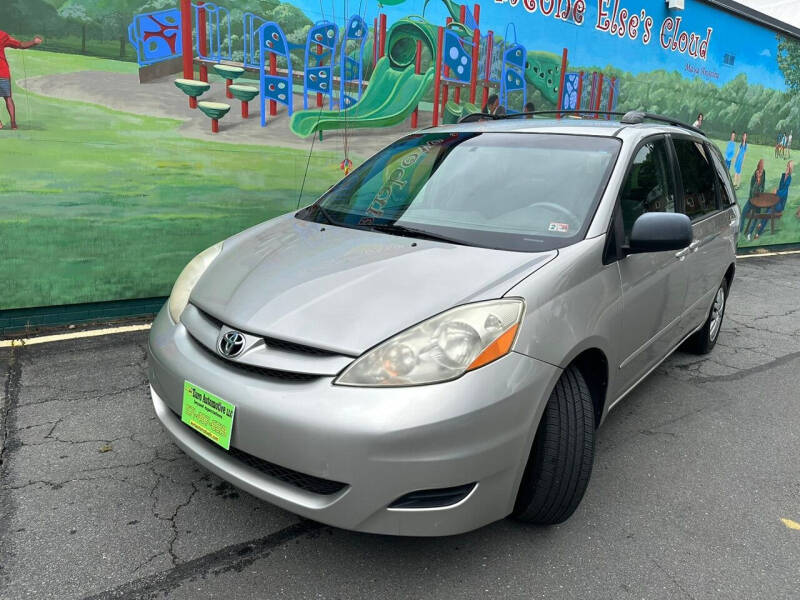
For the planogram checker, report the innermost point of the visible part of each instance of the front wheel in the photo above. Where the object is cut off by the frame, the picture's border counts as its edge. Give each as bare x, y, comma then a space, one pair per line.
560, 462
704, 339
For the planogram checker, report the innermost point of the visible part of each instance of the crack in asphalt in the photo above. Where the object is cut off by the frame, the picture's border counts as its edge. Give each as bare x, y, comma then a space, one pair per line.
10, 396
230, 558
10, 393
740, 373
672, 578
104, 396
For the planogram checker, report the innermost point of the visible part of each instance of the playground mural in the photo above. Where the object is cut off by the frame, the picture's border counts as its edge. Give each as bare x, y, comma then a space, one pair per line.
254, 107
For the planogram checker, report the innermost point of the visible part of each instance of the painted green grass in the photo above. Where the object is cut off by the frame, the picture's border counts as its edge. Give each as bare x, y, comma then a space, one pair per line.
787, 229
102, 205
101, 48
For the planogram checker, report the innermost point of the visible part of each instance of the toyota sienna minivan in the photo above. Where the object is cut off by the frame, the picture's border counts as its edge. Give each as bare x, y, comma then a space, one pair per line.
431, 345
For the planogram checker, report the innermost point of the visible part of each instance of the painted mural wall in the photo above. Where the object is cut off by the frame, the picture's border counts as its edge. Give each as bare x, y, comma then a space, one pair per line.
109, 186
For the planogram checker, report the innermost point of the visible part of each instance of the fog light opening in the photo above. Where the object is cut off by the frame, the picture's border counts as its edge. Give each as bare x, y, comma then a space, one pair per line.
435, 498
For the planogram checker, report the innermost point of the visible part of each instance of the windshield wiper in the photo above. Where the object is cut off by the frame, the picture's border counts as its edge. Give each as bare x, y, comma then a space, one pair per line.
413, 232
321, 210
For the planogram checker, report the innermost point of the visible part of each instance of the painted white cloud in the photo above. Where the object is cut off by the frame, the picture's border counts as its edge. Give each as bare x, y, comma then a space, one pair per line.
765, 52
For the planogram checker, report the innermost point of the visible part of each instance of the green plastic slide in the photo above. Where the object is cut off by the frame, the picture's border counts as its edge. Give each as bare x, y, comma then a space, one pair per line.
391, 96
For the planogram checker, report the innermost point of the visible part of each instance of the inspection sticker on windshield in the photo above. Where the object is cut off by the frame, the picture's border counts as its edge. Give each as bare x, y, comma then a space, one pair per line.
208, 414
558, 227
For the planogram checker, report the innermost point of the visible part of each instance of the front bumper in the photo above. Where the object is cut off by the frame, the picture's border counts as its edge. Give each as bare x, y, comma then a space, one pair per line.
383, 443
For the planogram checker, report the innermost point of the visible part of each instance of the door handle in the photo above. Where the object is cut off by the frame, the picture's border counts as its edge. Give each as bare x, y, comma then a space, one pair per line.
683, 253
694, 245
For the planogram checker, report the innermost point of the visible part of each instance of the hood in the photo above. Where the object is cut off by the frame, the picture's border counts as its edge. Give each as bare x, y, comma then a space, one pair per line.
346, 290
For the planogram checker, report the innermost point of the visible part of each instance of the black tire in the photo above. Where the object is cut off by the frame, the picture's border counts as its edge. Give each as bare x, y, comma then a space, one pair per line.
560, 462
704, 339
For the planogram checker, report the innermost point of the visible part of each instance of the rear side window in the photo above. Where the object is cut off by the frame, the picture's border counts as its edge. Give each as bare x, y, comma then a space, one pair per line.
648, 186
723, 177
698, 176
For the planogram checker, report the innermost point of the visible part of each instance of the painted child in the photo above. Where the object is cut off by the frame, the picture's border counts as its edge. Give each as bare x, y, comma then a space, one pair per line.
730, 150
756, 187
6, 41
737, 175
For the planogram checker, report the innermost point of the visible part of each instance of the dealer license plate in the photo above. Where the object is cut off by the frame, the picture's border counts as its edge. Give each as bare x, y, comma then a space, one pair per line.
209, 414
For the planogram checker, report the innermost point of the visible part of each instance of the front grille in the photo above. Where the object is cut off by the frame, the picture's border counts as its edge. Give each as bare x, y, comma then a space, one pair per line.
297, 348
309, 483
262, 371
275, 342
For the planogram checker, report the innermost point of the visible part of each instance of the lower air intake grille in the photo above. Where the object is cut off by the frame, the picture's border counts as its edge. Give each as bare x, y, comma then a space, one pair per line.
309, 483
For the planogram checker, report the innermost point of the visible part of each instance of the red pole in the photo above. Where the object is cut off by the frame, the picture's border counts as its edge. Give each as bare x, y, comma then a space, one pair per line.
473, 77
561, 82
375, 39
476, 13
245, 110
445, 90
417, 70
319, 95
462, 16
273, 70
437, 81
382, 49
599, 94
186, 40
489, 44
228, 83
192, 102
202, 38
580, 91
214, 126
611, 96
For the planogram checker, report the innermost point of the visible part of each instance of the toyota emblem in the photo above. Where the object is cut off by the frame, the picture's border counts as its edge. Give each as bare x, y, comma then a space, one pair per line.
231, 343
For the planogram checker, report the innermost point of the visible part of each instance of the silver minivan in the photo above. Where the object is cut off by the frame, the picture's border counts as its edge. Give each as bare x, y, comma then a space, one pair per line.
432, 344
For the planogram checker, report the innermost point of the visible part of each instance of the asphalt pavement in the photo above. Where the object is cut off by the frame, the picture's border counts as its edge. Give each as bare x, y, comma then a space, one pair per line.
694, 475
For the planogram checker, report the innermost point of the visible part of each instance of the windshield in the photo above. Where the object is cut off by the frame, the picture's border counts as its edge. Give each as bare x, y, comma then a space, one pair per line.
512, 191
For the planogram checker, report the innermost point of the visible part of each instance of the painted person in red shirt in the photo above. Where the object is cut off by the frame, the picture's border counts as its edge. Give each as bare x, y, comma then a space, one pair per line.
6, 41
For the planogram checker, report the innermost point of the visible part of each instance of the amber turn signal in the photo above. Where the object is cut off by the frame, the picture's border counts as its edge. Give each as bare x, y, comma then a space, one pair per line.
500, 347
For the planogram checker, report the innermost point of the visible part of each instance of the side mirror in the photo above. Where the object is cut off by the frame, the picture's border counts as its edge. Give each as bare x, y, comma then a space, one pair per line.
660, 231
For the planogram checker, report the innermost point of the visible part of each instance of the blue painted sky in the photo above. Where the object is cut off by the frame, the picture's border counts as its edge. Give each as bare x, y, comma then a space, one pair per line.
753, 46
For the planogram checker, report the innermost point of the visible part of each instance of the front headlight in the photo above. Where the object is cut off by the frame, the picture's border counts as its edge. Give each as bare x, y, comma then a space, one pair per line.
179, 297
441, 348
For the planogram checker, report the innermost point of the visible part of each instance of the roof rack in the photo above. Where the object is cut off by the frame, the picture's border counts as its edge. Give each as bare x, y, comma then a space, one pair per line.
632, 117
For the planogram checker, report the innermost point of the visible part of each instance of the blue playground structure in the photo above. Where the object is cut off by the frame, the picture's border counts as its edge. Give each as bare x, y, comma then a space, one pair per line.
512, 76
569, 99
319, 61
218, 19
274, 87
156, 36
455, 58
251, 23
352, 69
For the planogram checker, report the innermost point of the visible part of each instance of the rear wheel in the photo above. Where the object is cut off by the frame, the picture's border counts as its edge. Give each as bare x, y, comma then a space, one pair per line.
560, 462
704, 339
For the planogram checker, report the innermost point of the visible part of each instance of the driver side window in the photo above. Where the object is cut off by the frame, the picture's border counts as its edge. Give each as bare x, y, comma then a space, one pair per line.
648, 186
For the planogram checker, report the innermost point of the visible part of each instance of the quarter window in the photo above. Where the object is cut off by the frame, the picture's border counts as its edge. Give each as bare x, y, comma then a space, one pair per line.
697, 174
648, 186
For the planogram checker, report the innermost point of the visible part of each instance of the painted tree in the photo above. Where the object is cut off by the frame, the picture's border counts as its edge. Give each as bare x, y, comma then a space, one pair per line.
76, 12
113, 15
789, 62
